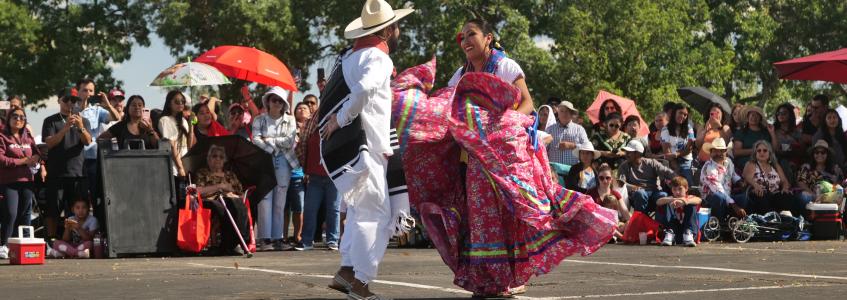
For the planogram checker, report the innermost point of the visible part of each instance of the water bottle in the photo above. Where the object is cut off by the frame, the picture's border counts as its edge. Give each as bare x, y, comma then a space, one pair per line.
98, 246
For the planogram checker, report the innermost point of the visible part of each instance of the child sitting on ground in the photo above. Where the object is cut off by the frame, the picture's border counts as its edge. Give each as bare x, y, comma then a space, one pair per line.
79, 232
678, 213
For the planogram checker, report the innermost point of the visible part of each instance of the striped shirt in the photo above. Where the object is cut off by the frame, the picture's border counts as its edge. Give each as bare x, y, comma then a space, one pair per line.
571, 132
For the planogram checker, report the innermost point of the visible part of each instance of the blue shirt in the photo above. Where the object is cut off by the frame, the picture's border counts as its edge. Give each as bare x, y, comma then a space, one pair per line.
297, 173
97, 118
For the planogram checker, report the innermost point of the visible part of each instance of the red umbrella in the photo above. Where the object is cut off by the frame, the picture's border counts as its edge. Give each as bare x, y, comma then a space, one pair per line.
249, 64
627, 106
829, 66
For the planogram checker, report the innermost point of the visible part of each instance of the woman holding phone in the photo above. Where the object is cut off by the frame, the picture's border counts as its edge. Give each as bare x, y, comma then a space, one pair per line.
133, 127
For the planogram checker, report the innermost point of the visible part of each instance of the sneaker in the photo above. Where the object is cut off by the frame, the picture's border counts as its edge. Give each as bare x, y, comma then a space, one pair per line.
4, 252
265, 246
302, 247
286, 247
52, 253
332, 247
669, 236
688, 239
83, 254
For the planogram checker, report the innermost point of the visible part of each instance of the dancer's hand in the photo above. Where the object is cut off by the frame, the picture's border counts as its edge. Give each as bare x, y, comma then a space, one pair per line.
330, 127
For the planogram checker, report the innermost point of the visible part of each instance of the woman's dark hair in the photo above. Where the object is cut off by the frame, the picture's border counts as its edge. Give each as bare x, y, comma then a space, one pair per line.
630, 119
839, 133
676, 129
167, 112
603, 109
829, 164
8, 121
724, 117
613, 116
487, 29
196, 108
129, 102
670, 106
792, 119
301, 104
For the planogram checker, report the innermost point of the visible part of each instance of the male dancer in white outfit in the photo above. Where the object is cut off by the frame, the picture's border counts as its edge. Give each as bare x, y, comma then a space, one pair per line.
367, 70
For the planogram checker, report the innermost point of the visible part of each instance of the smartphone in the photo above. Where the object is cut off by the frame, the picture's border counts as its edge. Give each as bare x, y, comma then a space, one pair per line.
5, 105
321, 74
297, 76
145, 115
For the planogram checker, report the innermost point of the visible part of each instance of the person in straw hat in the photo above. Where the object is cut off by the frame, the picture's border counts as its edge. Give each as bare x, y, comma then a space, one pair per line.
754, 128
367, 70
820, 167
582, 176
717, 176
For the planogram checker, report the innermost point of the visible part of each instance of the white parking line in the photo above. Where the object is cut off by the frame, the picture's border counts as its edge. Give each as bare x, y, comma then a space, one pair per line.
827, 251
387, 282
678, 292
811, 276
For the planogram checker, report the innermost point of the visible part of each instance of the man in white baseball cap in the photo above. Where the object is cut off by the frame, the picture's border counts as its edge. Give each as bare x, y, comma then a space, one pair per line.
367, 70
642, 176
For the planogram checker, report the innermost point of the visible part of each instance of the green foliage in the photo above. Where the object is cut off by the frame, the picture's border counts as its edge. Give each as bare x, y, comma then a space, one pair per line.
281, 28
52, 44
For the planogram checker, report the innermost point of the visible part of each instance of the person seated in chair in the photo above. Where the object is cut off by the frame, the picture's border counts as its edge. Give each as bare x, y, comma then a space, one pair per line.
214, 183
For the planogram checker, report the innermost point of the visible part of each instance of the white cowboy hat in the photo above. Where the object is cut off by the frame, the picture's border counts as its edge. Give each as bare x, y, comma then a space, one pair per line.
588, 147
717, 143
376, 15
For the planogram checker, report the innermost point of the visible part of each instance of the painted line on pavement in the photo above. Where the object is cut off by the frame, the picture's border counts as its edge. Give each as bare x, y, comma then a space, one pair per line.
679, 292
827, 251
711, 269
387, 282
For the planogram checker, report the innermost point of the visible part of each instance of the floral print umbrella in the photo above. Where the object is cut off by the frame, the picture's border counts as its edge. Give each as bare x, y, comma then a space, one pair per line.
190, 74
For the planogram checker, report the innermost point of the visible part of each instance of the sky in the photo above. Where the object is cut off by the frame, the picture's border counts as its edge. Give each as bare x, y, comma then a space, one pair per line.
143, 66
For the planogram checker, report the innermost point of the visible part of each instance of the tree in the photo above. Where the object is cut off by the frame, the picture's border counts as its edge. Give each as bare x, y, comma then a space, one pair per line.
54, 43
279, 27
762, 32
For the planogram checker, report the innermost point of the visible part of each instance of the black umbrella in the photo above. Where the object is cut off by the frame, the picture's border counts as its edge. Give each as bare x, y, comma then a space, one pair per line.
702, 99
252, 165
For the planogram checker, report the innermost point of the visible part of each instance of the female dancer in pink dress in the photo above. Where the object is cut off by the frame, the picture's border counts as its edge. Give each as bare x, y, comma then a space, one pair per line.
504, 220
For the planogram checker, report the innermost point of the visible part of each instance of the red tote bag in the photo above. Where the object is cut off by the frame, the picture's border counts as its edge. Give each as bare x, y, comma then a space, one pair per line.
194, 226
640, 222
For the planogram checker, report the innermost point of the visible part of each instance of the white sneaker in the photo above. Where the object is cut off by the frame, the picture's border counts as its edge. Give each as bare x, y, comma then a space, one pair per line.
52, 253
332, 247
302, 247
4, 252
669, 237
688, 239
83, 254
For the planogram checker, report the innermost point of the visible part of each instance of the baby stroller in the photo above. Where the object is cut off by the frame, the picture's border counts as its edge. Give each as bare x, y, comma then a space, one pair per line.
771, 226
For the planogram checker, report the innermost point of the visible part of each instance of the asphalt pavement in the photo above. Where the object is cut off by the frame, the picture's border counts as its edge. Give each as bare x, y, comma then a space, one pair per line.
790, 270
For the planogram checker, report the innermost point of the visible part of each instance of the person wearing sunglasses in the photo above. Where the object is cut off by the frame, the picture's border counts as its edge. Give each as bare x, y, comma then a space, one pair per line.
239, 123
770, 190
66, 135
606, 194
19, 155
820, 167
275, 132
611, 140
